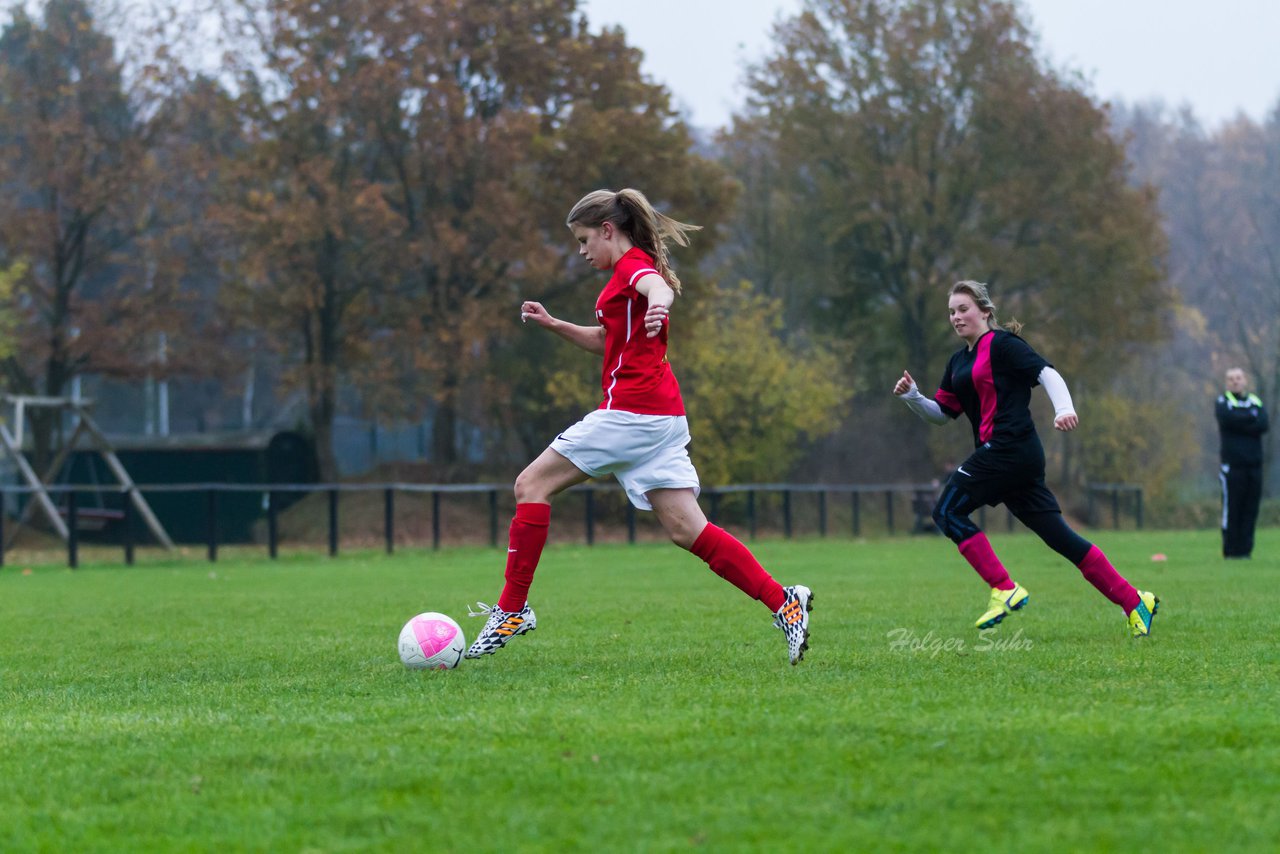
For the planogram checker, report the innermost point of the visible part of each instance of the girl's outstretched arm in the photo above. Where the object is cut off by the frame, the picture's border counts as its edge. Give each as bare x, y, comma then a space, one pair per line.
927, 409
589, 338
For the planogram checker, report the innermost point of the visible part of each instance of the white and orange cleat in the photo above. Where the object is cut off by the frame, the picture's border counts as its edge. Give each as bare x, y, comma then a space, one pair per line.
793, 619
501, 627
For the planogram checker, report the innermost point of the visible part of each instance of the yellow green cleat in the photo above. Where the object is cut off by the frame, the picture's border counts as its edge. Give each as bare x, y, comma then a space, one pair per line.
1003, 603
1140, 618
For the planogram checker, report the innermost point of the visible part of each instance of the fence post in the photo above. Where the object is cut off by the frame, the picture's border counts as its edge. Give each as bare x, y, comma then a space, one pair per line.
1138, 509
273, 526
786, 513
857, 512
73, 535
715, 507
212, 521
435, 520
1115, 508
389, 518
333, 523
822, 514
888, 508
126, 532
751, 512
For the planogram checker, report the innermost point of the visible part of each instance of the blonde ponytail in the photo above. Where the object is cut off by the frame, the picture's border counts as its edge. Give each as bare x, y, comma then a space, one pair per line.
631, 213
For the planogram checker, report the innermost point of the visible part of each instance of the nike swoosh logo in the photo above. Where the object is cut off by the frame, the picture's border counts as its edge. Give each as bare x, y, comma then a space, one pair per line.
960, 469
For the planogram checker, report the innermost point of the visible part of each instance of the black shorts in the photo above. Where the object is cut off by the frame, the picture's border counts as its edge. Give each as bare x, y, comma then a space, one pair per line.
1012, 475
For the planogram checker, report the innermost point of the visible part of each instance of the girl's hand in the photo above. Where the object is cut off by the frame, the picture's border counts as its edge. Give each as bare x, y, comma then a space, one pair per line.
534, 311
1066, 422
903, 385
655, 318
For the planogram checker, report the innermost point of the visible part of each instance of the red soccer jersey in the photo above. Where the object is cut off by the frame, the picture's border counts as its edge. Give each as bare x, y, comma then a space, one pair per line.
636, 375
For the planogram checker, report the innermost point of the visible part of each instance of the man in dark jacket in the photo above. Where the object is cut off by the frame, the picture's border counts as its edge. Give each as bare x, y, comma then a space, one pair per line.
1241, 422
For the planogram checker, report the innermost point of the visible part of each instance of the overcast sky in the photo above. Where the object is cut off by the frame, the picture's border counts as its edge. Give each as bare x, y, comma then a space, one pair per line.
1221, 57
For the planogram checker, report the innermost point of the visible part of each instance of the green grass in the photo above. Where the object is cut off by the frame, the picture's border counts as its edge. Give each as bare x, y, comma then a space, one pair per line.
257, 705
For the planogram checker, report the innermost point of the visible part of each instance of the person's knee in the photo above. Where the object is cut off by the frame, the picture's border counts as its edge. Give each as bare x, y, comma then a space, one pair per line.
528, 487
680, 517
957, 526
683, 537
682, 528
939, 517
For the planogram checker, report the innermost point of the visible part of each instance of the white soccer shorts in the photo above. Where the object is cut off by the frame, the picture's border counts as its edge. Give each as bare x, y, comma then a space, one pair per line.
643, 452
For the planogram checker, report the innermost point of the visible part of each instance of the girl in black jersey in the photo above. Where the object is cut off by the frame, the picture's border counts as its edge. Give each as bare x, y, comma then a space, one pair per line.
990, 380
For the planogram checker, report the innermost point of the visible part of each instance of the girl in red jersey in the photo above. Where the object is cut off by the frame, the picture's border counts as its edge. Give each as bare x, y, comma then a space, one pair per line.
639, 434
990, 380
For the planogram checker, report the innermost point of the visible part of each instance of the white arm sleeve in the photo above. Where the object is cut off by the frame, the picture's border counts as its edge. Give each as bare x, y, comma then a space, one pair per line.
1056, 386
927, 409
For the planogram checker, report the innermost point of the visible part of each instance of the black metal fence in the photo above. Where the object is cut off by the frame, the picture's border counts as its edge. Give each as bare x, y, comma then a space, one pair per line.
1116, 496
775, 508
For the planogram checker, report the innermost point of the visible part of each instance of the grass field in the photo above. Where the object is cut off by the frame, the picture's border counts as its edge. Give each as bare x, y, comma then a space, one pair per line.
260, 706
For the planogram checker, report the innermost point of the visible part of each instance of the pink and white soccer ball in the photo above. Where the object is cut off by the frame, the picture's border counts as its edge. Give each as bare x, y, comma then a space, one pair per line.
431, 641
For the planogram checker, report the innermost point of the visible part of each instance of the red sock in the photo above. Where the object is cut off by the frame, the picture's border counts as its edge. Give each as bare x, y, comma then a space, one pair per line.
977, 550
1099, 572
732, 561
528, 536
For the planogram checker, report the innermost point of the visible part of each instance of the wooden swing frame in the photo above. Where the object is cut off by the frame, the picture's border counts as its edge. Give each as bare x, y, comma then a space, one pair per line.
85, 427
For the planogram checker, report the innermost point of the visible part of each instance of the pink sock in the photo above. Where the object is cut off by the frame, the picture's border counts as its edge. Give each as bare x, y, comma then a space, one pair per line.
732, 561
527, 537
1099, 572
977, 550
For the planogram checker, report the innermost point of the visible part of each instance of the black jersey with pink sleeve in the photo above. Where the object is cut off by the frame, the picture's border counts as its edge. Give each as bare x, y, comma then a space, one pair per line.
991, 384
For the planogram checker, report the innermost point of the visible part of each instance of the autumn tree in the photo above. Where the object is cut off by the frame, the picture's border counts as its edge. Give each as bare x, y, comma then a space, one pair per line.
1220, 199
8, 317
407, 183
892, 147
1239, 287
312, 246
518, 109
201, 345
75, 177
755, 396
